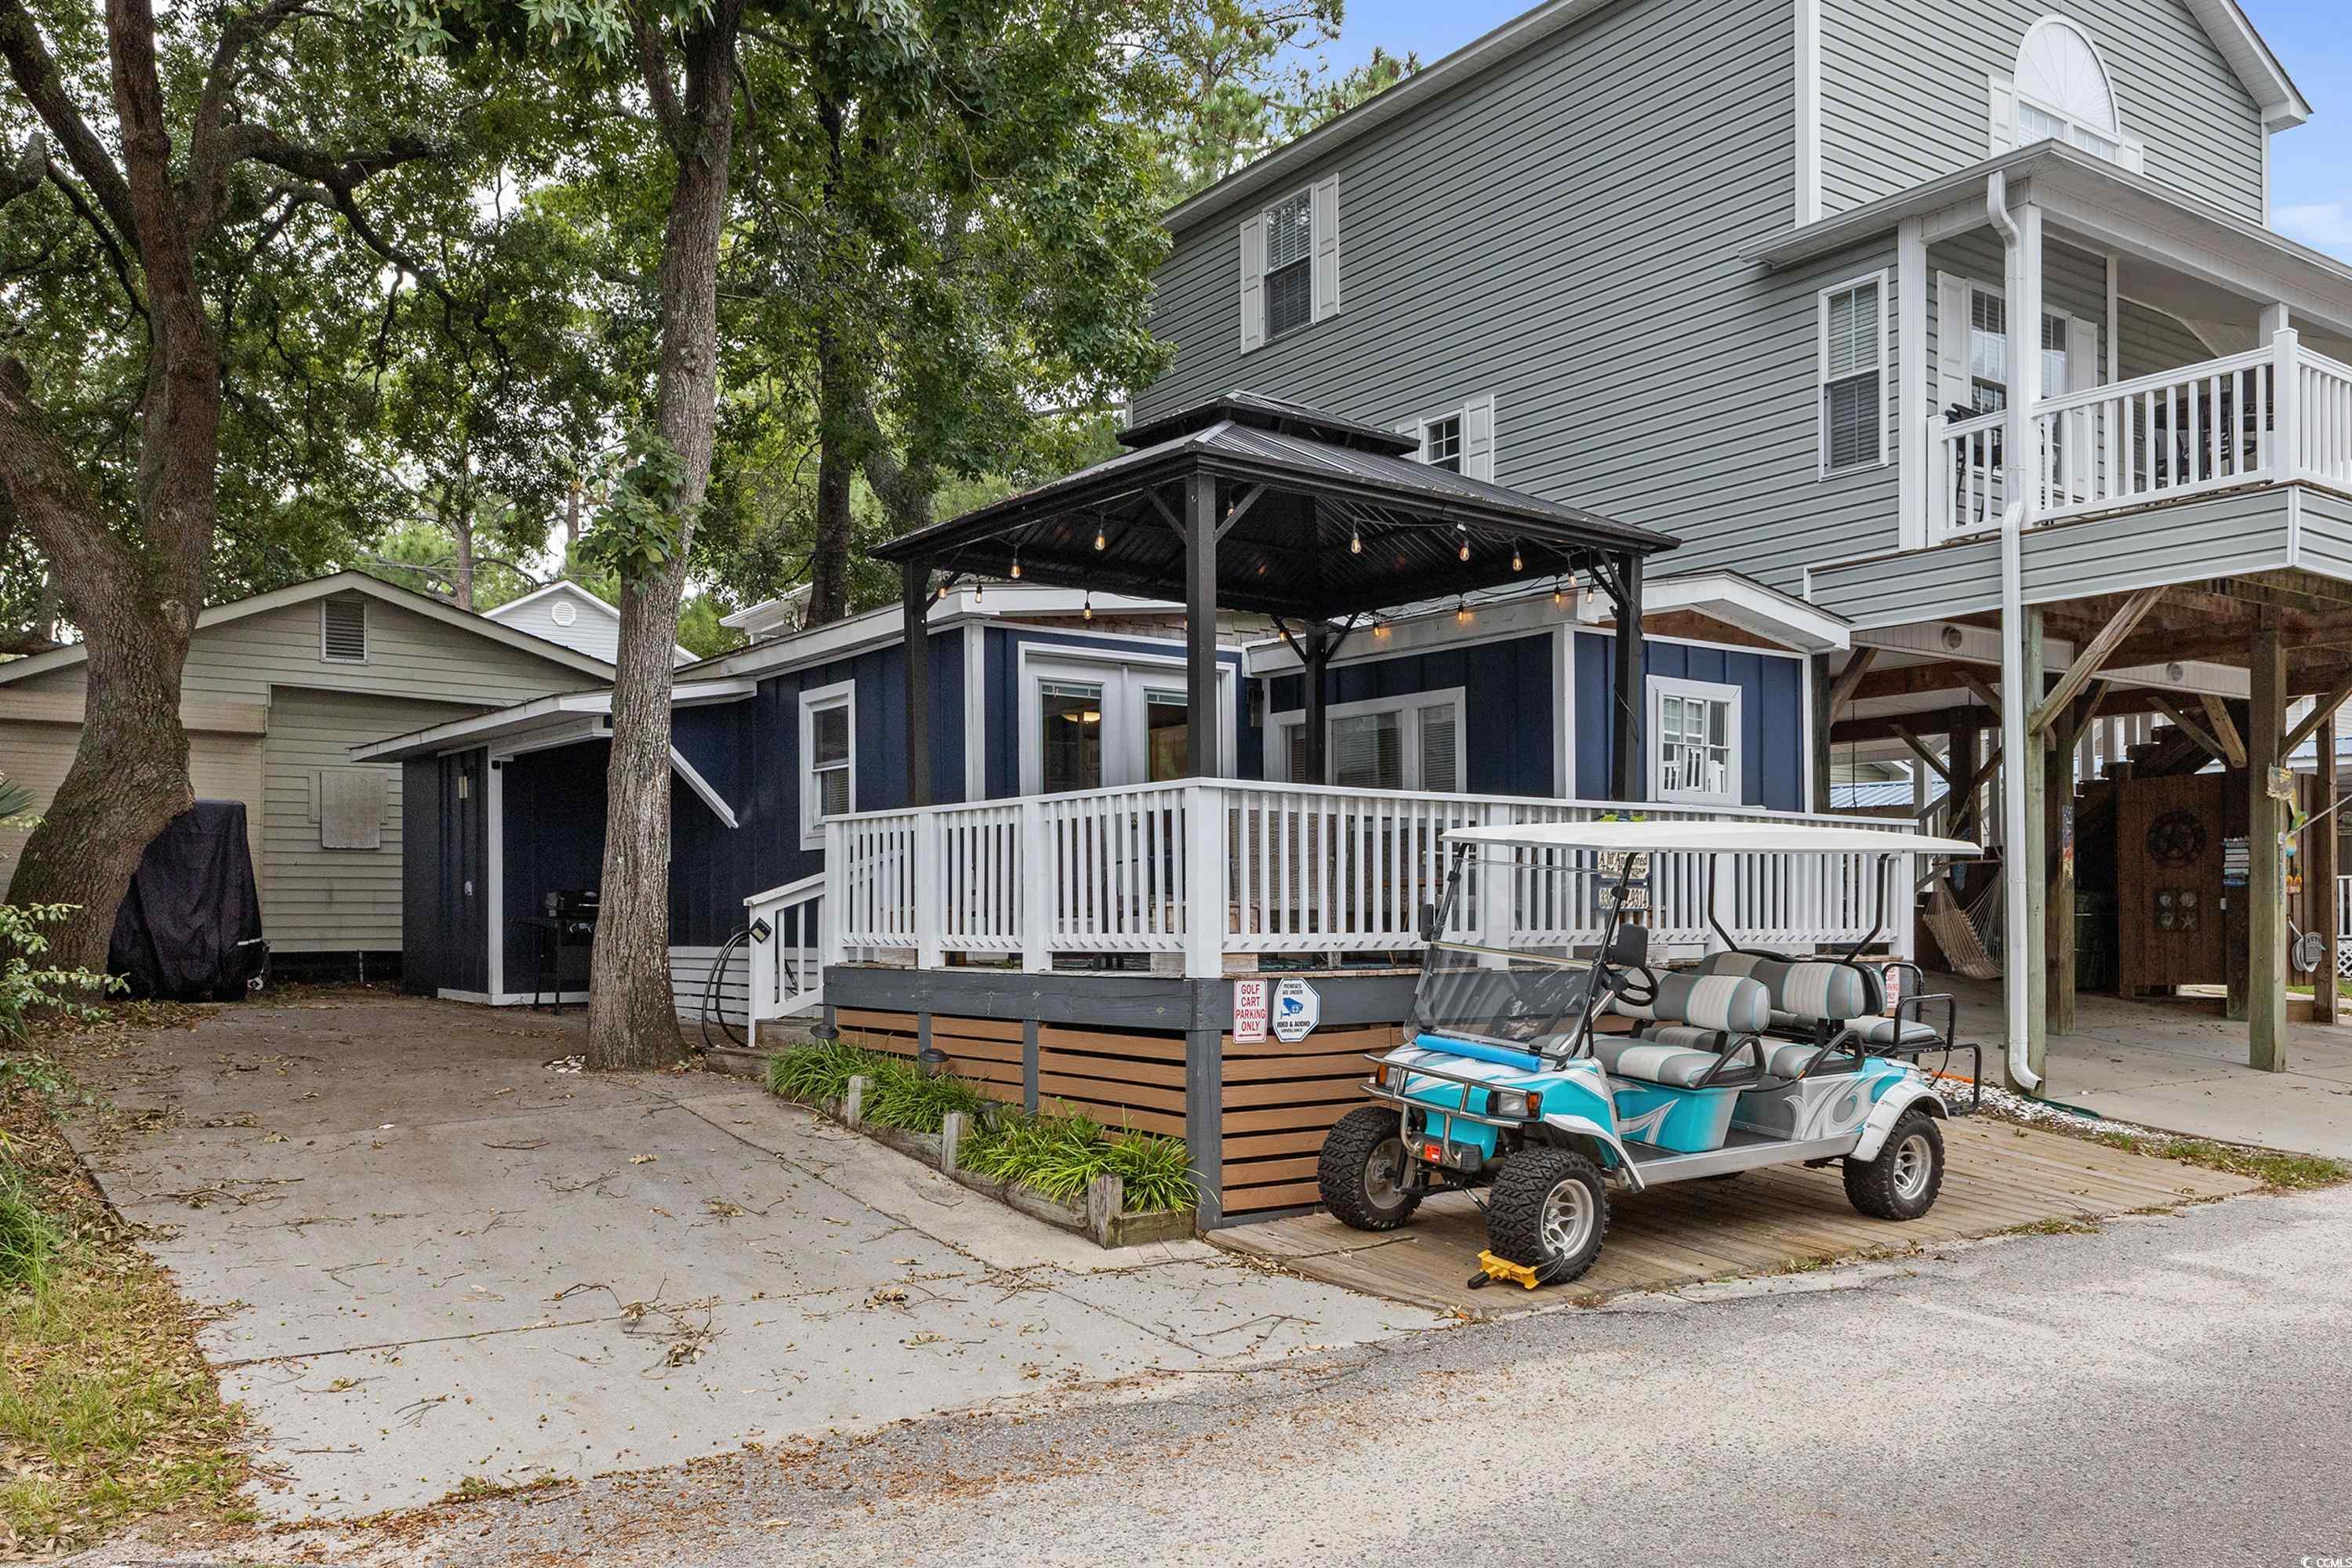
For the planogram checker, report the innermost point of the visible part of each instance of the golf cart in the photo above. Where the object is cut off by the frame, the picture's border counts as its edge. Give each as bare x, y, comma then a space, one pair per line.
1509, 1081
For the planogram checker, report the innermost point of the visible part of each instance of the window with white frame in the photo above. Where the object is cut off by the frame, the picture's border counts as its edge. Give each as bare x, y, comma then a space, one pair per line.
1695, 748
1440, 443
2060, 91
1460, 441
1411, 743
828, 758
1989, 351
1854, 376
1289, 264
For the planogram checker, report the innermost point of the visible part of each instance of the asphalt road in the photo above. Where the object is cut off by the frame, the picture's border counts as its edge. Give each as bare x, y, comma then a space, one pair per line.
2174, 1390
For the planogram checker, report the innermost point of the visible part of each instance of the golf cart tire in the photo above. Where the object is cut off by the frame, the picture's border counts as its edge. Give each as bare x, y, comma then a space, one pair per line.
1880, 1188
1347, 1152
1515, 1211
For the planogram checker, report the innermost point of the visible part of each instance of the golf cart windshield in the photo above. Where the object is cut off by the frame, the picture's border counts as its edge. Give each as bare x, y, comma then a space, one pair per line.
1531, 999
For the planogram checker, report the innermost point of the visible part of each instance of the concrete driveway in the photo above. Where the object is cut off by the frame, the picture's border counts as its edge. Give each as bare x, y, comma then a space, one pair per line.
439, 1261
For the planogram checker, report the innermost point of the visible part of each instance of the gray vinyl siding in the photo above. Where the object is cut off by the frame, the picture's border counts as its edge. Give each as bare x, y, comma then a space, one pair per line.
2226, 536
2323, 543
1563, 233
1904, 94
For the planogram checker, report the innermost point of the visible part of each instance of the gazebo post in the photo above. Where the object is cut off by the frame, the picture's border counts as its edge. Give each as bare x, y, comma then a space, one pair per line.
1201, 708
915, 600
1316, 647
1625, 768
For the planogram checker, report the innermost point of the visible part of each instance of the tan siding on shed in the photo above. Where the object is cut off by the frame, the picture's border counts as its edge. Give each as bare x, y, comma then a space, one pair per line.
37, 755
332, 901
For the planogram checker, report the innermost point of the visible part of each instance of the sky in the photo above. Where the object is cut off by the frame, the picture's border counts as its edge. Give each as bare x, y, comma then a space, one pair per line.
2311, 166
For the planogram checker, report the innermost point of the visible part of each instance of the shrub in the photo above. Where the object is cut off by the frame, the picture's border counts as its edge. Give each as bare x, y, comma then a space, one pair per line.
25, 990
1059, 1156
821, 1071
899, 1095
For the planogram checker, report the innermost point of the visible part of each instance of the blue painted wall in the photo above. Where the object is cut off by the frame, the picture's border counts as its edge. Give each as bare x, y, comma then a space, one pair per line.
1001, 651
1510, 721
1771, 713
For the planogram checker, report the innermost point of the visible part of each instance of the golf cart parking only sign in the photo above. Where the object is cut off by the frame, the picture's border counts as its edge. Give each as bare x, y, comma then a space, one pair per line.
1288, 1010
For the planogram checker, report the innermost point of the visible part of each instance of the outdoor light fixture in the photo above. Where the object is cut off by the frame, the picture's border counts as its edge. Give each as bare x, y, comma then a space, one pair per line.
1016, 563
1463, 530
1461, 612
1101, 541
1380, 629
1517, 565
1090, 605
1355, 541
943, 590
1588, 593
1558, 596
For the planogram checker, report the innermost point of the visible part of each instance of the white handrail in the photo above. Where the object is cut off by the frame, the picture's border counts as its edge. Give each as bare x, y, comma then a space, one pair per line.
1191, 872
787, 958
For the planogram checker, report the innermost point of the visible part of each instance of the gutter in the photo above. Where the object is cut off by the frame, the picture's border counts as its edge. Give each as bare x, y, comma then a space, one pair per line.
2016, 940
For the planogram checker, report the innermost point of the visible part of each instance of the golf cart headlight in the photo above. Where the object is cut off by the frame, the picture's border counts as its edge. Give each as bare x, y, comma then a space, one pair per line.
1517, 1103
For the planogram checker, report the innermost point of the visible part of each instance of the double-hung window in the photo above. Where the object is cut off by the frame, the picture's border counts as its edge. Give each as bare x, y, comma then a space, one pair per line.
1395, 742
828, 758
1854, 376
1988, 353
1289, 265
1697, 726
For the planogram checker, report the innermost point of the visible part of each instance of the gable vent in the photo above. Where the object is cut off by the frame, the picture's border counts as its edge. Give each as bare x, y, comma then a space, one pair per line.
343, 628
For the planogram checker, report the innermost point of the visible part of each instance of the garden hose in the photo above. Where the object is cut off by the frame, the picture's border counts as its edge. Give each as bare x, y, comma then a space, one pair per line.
712, 1004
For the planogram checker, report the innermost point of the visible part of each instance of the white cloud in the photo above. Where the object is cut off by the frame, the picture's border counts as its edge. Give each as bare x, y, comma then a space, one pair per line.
2327, 225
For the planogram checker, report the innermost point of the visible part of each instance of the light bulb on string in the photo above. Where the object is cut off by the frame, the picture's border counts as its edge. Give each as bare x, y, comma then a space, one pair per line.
1016, 563
1090, 605
1461, 612
1355, 539
1559, 594
1101, 541
1517, 565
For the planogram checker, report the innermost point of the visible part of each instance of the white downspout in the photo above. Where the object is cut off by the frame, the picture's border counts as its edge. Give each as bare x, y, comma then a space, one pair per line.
2016, 939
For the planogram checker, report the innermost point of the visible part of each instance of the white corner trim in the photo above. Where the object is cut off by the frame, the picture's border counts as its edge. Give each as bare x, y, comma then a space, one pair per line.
1563, 685
975, 712
1911, 389
1809, 112
494, 869
701, 786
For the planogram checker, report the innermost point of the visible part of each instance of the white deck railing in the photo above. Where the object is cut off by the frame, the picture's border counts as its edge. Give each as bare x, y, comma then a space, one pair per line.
2278, 414
786, 952
1280, 869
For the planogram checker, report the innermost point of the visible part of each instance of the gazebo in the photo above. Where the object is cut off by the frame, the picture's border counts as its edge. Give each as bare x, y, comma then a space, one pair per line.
1247, 502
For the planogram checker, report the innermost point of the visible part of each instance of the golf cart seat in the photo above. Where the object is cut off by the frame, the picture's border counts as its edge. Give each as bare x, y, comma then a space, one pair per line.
1695, 1020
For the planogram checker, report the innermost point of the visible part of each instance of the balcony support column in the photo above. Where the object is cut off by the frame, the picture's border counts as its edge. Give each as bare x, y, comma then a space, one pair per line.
2320, 873
2266, 828
1626, 771
1202, 729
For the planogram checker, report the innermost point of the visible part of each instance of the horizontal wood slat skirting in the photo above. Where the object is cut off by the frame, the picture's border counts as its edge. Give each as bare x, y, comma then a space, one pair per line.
1280, 1099
988, 1065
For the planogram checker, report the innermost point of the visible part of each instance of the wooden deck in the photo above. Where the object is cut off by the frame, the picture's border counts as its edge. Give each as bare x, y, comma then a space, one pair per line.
1998, 1177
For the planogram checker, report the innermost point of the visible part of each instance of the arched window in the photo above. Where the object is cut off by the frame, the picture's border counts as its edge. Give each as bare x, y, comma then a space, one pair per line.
2059, 92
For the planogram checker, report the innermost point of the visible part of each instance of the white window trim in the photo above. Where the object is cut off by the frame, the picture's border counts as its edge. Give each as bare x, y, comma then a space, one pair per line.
1322, 199
814, 701
1284, 729
1478, 420
1265, 333
2096, 362
367, 640
1116, 669
1663, 686
1821, 372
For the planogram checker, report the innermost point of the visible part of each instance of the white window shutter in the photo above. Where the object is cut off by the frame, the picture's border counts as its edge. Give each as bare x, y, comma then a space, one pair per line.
2084, 366
1253, 282
1951, 341
2133, 156
1327, 248
2002, 113
1478, 438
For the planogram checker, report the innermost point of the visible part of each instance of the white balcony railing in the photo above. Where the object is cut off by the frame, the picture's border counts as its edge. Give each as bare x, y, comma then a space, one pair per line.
1279, 868
2275, 415
785, 951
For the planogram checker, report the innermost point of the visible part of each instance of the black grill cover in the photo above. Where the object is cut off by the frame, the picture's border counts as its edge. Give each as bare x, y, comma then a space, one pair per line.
190, 928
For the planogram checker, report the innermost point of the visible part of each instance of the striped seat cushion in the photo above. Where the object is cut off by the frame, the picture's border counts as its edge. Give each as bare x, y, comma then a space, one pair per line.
1629, 1056
1708, 1001
1802, 993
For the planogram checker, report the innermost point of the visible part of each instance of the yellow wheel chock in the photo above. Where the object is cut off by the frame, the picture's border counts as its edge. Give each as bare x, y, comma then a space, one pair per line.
1491, 1268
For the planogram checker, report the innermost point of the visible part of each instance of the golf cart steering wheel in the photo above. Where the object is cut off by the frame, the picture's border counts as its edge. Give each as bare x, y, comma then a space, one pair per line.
1641, 993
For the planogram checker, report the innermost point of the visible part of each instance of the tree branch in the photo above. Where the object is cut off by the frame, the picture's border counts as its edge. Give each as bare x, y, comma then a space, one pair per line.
206, 185
35, 71
28, 173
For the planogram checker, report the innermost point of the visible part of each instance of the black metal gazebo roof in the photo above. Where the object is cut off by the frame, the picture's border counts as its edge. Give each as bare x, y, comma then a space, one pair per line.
1247, 502
1317, 517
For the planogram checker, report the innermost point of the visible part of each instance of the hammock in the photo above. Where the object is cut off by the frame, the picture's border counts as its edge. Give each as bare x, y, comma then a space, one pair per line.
1956, 932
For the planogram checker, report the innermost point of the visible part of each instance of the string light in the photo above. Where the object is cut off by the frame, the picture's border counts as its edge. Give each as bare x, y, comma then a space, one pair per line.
1016, 563
1461, 612
1379, 630
979, 590
1559, 593
1101, 541
1463, 530
1517, 565
1090, 605
1588, 593
943, 591
1355, 541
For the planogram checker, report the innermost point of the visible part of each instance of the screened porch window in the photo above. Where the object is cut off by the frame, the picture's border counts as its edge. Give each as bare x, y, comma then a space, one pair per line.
1698, 748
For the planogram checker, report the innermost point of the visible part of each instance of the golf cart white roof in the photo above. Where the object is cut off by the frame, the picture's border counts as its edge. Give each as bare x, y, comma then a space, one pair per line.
1711, 837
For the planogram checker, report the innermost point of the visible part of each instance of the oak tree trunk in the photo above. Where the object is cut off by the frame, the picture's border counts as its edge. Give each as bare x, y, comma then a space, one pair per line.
837, 462
632, 1021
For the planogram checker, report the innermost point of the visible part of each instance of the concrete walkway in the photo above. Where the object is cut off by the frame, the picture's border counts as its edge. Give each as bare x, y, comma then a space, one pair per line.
2181, 1066
437, 1260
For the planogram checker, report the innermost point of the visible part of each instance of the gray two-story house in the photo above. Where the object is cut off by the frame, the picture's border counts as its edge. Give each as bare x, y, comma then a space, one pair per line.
1873, 304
